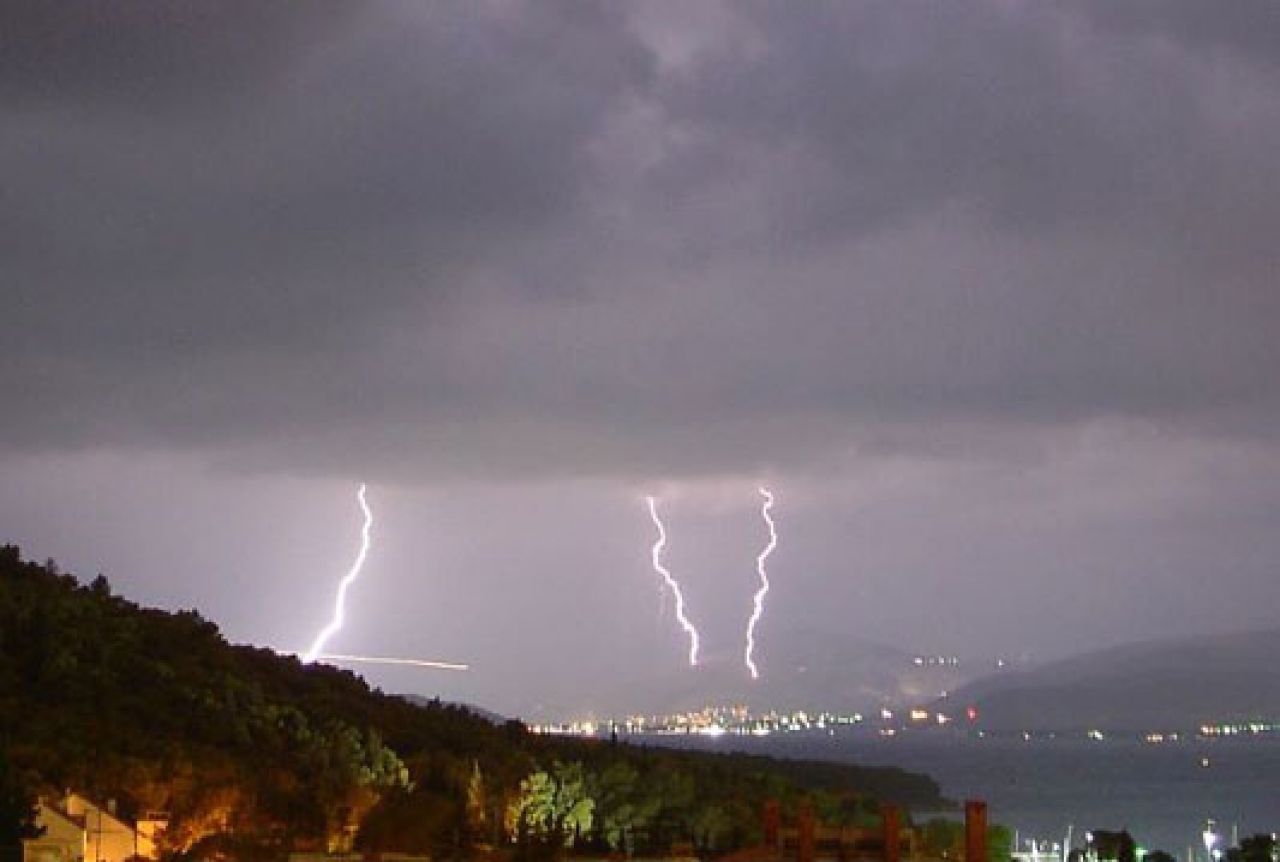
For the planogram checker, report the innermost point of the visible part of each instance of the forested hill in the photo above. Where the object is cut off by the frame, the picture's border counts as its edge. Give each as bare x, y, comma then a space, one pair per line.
256, 753
1168, 685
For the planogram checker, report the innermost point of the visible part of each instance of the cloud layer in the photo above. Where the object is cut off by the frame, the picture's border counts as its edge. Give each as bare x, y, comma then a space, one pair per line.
989, 291
588, 239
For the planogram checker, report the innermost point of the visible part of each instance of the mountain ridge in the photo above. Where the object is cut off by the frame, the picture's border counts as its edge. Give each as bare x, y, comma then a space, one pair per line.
1151, 685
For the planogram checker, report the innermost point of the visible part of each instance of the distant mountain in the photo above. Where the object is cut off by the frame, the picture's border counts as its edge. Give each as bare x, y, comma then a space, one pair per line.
810, 670
1157, 685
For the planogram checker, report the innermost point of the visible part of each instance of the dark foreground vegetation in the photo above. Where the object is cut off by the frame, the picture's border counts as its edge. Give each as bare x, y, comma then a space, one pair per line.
1105, 846
253, 754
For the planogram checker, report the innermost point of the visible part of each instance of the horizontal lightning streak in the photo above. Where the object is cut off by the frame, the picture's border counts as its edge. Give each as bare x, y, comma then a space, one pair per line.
413, 662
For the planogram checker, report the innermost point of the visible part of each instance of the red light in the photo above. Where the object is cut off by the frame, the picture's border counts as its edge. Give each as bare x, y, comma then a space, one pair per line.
972, 712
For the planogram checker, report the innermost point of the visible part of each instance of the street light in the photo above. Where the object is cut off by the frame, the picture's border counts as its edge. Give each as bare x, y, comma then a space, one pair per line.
1211, 837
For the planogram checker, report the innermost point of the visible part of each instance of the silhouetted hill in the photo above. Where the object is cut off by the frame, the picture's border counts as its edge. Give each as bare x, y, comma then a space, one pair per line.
805, 669
254, 753
1159, 685
477, 711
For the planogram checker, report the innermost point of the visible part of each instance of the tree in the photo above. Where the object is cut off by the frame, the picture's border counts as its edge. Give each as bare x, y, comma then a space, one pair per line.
623, 807
711, 825
476, 810
1113, 846
417, 821
553, 805
1000, 843
942, 839
17, 809
1258, 848
945, 839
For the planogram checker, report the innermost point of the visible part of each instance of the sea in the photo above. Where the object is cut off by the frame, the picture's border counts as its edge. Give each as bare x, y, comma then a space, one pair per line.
1163, 794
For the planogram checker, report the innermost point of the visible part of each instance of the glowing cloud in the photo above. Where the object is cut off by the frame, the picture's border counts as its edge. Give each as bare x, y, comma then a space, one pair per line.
758, 609
339, 611
671, 582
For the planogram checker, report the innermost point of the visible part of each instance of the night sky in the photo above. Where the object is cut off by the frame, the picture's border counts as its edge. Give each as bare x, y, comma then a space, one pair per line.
988, 293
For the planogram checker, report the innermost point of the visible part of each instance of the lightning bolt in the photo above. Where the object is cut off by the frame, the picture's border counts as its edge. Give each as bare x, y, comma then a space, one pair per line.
339, 611
758, 600
376, 659
671, 582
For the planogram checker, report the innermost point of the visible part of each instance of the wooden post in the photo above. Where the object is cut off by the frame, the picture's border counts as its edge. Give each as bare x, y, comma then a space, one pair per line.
891, 824
806, 845
975, 830
772, 824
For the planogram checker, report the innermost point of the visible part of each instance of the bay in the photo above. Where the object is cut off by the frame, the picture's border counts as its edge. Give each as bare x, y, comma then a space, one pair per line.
1161, 793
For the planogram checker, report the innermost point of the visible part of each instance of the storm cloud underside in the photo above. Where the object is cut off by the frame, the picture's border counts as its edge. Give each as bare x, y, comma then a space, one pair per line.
989, 292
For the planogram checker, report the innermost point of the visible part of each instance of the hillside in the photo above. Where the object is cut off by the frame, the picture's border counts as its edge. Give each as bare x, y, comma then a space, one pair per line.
1160, 685
809, 669
249, 750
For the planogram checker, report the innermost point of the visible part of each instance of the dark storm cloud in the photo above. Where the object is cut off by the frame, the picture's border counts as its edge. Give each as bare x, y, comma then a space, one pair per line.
1246, 29
526, 241
160, 201
864, 116
889, 113
148, 57
986, 291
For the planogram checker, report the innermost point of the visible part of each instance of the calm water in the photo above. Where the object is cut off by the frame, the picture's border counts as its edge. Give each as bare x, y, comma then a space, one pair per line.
1161, 793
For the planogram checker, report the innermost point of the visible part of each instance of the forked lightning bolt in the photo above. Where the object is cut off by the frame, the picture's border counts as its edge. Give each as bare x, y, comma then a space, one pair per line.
758, 609
671, 582
339, 611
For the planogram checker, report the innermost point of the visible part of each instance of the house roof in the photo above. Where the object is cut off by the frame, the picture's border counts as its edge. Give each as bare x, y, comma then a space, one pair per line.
45, 809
